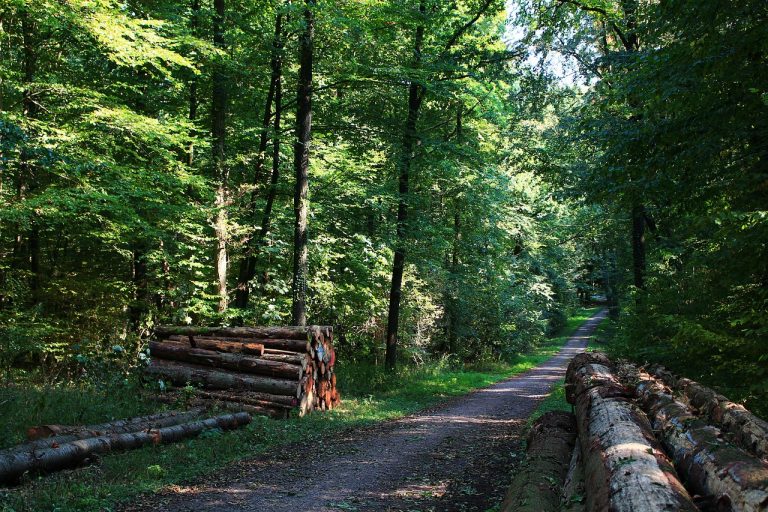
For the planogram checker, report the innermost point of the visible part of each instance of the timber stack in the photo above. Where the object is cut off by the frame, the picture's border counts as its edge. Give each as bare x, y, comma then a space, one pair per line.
642, 439
269, 371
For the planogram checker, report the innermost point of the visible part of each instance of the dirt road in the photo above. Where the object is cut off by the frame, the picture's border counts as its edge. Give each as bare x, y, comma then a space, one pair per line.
456, 457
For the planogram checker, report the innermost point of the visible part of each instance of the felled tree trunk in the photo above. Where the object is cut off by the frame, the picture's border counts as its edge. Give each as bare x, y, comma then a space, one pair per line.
728, 477
291, 332
159, 420
748, 431
183, 373
14, 465
624, 466
537, 483
242, 363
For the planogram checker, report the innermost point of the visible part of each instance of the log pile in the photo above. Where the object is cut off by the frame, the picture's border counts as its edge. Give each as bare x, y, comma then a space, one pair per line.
648, 440
263, 370
54, 447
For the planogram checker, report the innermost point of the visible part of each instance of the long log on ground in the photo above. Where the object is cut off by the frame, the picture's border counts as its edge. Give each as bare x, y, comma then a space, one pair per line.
13, 466
287, 345
251, 348
183, 373
625, 468
729, 477
292, 332
748, 431
242, 363
157, 420
537, 484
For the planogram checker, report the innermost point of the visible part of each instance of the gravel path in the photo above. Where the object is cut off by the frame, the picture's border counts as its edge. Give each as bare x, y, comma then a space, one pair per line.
456, 457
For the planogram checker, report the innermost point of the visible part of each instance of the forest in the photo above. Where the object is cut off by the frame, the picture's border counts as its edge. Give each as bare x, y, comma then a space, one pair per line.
444, 182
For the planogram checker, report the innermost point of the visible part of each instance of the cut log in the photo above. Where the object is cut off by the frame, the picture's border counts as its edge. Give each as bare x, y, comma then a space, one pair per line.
243, 363
625, 467
13, 466
183, 373
250, 348
537, 484
269, 410
293, 332
711, 467
747, 430
290, 346
158, 420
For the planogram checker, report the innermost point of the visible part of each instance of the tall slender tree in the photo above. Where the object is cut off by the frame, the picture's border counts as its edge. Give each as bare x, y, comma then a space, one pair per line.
301, 166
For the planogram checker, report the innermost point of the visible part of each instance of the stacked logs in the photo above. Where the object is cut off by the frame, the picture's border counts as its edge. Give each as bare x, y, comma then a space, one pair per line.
647, 445
263, 370
55, 447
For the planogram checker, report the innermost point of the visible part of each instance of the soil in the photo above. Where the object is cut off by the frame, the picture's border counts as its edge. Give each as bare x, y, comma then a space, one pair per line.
457, 457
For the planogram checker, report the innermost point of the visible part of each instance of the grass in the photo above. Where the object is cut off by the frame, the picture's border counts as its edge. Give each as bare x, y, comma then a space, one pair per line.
117, 478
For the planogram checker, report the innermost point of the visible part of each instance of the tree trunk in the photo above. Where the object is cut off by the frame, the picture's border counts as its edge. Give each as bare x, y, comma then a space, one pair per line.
291, 332
250, 398
12, 466
746, 429
45, 435
729, 477
27, 172
638, 246
415, 96
236, 347
537, 484
242, 363
194, 24
274, 95
218, 135
182, 374
625, 467
301, 166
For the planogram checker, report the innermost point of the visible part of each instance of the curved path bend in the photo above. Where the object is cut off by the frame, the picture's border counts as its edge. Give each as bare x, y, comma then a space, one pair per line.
457, 456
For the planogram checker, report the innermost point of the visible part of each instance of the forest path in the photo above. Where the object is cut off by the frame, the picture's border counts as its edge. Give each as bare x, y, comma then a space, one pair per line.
457, 456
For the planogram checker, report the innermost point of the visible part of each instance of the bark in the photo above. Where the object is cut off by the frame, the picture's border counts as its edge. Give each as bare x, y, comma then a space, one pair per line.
289, 346
301, 166
218, 135
415, 97
194, 24
242, 363
727, 477
274, 95
182, 374
292, 333
13, 466
625, 468
638, 246
744, 428
235, 347
162, 419
269, 411
537, 484
252, 398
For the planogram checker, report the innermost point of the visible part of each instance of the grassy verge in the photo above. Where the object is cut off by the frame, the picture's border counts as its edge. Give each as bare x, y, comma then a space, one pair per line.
117, 478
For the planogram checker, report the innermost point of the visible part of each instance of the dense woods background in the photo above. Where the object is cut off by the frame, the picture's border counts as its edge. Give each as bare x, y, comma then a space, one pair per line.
508, 161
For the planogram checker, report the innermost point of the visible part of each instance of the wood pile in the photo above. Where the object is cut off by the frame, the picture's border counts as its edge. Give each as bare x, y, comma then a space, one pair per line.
263, 370
55, 447
648, 440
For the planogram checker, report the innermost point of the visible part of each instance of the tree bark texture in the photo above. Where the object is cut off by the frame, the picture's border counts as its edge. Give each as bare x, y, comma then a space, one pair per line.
182, 374
14, 465
218, 136
301, 166
241, 363
743, 427
537, 484
725, 476
625, 467
415, 97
